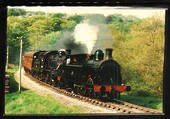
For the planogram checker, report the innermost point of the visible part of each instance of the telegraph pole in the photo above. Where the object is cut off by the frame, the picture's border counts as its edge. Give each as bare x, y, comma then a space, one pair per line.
20, 65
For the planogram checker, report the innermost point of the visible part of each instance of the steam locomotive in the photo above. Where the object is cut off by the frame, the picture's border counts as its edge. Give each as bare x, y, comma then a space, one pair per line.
94, 75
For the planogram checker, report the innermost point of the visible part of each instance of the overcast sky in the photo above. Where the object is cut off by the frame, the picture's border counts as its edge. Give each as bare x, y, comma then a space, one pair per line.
139, 12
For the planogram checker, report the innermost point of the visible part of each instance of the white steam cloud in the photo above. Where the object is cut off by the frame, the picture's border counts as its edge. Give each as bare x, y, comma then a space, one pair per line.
86, 34
93, 36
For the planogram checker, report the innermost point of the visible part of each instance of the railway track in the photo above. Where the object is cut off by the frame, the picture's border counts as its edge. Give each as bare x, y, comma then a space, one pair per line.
116, 105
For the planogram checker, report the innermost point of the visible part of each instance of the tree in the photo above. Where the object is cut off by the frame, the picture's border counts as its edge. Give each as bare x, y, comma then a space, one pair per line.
37, 30
76, 18
141, 57
50, 41
56, 24
37, 13
16, 31
57, 15
68, 25
16, 12
114, 18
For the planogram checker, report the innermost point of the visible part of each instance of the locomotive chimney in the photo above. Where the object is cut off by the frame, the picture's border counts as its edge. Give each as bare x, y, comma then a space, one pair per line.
109, 53
68, 51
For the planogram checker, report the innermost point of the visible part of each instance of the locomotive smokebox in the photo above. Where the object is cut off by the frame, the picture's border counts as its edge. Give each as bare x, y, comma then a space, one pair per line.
68, 51
109, 53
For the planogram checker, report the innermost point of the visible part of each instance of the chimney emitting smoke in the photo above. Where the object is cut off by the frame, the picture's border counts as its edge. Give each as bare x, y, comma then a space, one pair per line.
109, 53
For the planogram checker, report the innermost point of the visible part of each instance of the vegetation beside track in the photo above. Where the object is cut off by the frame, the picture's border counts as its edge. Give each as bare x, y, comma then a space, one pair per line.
150, 102
28, 102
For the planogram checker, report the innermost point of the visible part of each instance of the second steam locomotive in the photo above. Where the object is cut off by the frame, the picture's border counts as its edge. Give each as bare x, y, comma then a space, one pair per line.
94, 75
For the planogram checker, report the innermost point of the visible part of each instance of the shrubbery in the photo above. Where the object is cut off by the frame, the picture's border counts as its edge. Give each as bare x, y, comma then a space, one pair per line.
142, 56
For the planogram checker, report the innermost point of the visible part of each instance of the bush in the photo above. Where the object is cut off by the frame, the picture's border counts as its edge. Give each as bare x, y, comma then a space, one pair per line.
141, 57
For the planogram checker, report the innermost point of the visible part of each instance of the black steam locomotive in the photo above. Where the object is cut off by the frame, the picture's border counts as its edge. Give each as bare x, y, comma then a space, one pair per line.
94, 75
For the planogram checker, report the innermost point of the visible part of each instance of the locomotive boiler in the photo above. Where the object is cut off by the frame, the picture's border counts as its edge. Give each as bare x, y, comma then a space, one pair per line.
94, 75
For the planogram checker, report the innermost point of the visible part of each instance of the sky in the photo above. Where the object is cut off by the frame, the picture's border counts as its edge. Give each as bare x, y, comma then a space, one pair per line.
139, 12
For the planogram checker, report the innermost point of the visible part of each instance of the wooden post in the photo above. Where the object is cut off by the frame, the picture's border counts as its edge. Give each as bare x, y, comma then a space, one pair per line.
20, 66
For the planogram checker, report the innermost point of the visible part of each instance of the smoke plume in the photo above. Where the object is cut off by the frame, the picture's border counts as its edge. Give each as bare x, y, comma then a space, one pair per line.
68, 42
86, 34
87, 37
93, 35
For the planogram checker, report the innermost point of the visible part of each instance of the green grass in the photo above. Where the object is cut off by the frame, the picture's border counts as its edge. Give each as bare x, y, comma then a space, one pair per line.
150, 102
28, 102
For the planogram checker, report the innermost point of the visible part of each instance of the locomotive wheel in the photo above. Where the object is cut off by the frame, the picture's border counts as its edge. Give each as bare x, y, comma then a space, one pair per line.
112, 94
117, 95
92, 93
78, 90
75, 90
53, 83
50, 80
36, 76
41, 77
88, 92
57, 84
46, 79
60, 84
82, 91
85, 92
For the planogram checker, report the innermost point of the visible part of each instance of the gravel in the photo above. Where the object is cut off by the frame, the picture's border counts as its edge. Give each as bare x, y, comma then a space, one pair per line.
63, 99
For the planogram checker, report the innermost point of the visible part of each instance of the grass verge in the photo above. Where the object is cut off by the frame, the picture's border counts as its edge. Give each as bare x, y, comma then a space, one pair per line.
150, 102
28, 102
